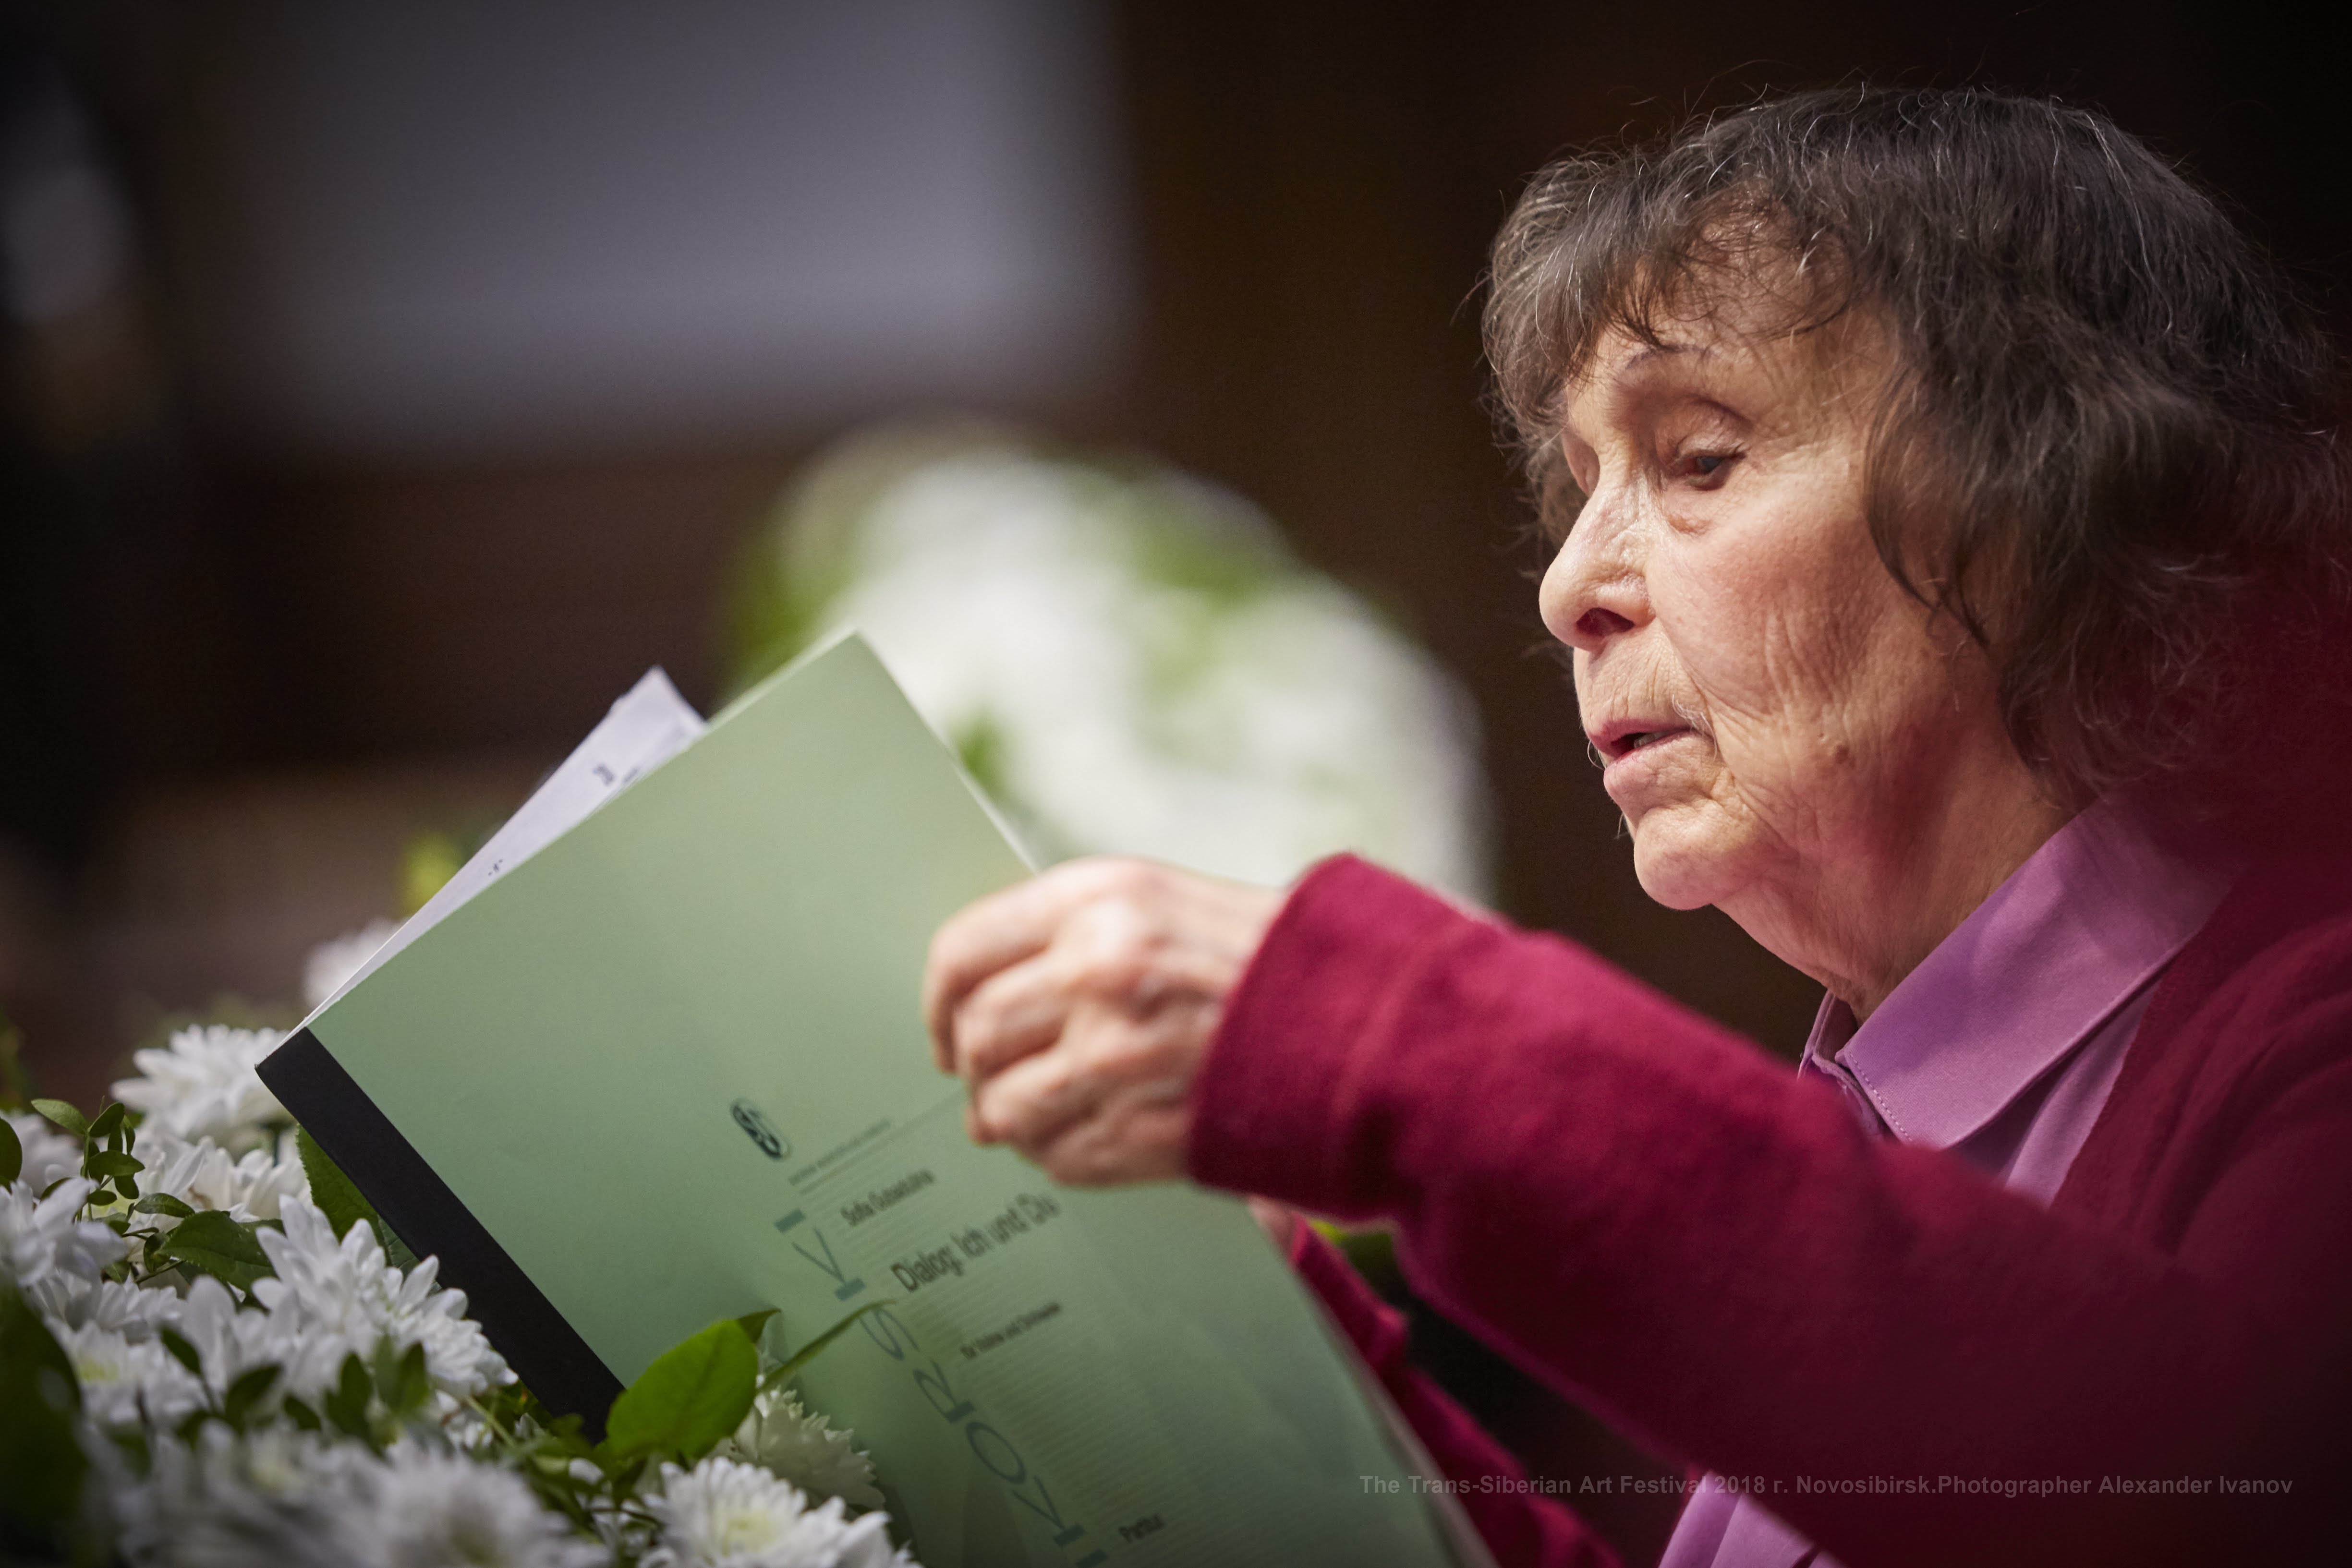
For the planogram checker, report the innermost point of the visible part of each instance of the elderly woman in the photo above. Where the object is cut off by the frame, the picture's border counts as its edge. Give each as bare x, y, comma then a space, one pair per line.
1952, 542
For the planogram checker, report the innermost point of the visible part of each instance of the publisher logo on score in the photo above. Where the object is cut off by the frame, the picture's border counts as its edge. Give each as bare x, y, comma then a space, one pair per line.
759, 1130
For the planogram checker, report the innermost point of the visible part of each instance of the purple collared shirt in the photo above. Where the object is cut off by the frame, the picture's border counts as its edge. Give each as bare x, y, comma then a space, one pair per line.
1999, 1048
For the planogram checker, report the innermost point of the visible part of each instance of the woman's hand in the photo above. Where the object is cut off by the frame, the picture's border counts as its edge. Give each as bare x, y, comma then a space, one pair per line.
1078, 1006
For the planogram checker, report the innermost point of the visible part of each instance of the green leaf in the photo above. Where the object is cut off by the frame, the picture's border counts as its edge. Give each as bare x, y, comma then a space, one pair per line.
250, 1388
396, 1252
755, 1324
340, 1200
213, 1243
562, 1431
108, 1163
337, 1197
12, 1154
109, 1120
42, 1463
692, 1398
181, 1351
64, 1116
810, 1351
347, 1401
162, 1203
301, 1415
402, 1380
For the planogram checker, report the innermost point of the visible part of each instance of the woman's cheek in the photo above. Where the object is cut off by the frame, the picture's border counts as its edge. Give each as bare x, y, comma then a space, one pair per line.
1716, 604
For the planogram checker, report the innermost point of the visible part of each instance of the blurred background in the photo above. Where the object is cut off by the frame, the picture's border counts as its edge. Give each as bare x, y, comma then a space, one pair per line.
387, 386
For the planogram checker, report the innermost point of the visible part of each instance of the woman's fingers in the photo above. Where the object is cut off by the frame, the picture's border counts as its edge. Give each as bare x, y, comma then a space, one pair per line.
1094, 1057
987, 936
1077, 1008
1103, 950
1139, 1139
997, 932
1036, 1097
1012, 1013
1106, 1070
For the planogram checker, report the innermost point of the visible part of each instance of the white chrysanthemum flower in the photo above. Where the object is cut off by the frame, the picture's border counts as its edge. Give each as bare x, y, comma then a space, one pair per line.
330, 963
125, 1382
788, 1440
346, 1290
49, 1155
726, 1514
1137, 665
231, 1341
131, 1311
204, 1085
429, 1509
275, 1498
54, 1258
203, 1174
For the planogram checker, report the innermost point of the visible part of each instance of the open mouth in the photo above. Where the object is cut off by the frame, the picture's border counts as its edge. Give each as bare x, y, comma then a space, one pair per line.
1624, 743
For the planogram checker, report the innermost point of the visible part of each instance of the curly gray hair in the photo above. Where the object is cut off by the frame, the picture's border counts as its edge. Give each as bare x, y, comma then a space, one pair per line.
2110, 450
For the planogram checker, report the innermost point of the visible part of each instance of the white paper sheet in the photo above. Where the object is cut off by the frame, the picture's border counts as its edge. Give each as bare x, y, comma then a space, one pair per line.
648, 724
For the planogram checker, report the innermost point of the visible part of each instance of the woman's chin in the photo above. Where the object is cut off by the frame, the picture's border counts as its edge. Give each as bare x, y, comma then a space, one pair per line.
1682, 859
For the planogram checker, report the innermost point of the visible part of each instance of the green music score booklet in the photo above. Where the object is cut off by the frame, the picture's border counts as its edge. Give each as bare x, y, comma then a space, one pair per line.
656, 1059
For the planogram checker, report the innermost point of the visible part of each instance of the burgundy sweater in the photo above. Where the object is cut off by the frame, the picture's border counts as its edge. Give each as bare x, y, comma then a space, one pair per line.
1670, 1227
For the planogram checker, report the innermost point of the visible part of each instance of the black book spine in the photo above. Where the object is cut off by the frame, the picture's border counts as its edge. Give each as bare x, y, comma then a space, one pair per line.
545, 1351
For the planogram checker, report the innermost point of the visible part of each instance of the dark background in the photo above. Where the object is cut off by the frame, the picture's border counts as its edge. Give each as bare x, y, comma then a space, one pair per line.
231, 675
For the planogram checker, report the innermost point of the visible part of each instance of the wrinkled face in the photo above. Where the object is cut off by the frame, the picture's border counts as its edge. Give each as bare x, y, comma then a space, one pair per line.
1775, 714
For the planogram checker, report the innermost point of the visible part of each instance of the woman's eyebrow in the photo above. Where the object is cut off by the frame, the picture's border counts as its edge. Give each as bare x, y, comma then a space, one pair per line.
1653, 359
1639, 379
1649, 351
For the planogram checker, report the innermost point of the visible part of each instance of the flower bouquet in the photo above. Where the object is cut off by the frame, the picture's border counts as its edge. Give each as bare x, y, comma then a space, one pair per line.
212, 1352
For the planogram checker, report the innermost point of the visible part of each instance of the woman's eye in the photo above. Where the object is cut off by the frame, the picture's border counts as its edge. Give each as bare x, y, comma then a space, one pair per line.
1705, 469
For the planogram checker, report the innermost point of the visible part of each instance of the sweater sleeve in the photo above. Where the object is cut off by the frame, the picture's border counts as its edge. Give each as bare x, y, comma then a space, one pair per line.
1522, 1528
1905, 1361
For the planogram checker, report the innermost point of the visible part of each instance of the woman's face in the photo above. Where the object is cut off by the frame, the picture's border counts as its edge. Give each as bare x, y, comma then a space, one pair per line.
1780, 722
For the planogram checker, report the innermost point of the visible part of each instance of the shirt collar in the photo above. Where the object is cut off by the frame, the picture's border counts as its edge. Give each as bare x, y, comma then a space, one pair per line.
2090, 919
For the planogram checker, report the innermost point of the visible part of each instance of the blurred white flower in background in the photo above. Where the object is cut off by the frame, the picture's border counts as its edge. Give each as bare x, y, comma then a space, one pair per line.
49, 1154
428, 1509
226, 1500
125, 1380
333, 962
55, 1255
202, 1085
1130, 660
120, 1307
279, 1495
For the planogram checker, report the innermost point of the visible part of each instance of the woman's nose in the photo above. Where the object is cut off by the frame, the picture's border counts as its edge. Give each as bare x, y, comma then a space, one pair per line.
1594, 588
